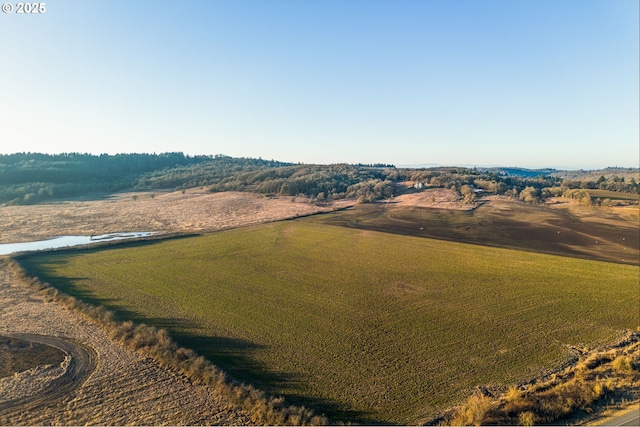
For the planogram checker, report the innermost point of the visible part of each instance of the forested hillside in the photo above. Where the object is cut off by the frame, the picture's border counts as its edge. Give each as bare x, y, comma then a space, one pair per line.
613, 179
27, 178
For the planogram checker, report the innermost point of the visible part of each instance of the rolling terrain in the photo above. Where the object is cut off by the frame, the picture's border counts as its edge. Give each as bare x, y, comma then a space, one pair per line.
125, 387
561, 229
363, 326
373, 314
191, 211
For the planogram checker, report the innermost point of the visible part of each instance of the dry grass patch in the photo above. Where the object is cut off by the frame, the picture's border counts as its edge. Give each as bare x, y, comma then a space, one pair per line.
194, 210
440, 198
17, 355
597, 375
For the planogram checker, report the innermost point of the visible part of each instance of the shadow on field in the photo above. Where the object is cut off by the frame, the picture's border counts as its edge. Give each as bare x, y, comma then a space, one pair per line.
514, 226
335, 412
234, 357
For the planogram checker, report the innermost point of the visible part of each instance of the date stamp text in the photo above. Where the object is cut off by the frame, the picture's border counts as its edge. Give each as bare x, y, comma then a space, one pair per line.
24, 8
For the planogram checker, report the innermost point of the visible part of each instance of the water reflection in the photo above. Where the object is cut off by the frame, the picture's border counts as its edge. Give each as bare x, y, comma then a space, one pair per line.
66, 241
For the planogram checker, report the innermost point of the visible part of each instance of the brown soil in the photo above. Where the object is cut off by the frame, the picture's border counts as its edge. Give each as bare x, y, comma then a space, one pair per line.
440, 198
591, 232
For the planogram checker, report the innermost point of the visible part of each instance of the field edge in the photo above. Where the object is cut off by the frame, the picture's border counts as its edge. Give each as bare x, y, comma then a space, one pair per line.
157, 344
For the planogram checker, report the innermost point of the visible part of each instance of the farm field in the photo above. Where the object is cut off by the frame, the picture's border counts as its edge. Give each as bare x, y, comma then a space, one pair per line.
603, 194
364, 326
122, 387
577, 231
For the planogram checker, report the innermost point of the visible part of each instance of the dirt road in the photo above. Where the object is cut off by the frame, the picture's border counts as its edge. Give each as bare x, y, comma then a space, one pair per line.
79, 362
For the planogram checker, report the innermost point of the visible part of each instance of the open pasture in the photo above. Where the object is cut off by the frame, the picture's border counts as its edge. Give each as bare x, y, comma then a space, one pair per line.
360, 325
577, 231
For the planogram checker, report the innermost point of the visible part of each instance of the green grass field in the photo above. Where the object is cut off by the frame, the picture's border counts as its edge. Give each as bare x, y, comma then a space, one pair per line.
363, 326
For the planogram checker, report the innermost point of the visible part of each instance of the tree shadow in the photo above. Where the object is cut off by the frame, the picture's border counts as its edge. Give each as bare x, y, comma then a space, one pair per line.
234, 357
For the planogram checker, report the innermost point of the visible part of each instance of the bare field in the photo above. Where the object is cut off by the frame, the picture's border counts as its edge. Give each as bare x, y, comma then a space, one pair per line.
440, 198
592, 232
193, 211
124, 388
604, 215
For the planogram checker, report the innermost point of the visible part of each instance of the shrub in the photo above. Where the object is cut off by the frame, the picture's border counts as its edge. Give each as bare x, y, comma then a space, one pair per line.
473, 411
575, 388
526, 418
530, 195
514, 401
622, 364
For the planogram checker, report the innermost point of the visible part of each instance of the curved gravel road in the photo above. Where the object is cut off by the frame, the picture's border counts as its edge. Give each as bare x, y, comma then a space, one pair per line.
82, 363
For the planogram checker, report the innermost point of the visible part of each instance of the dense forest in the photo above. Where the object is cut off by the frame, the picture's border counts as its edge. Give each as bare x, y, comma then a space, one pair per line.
27, 178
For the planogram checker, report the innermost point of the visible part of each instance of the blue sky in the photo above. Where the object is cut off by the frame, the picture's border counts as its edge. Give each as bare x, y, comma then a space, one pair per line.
529, 83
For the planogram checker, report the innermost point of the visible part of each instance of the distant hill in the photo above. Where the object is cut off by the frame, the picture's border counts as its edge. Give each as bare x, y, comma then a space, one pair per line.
523, 172
28, 178
594, 175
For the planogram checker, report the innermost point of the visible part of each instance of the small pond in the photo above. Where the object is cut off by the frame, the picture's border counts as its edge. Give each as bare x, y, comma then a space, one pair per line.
65, 241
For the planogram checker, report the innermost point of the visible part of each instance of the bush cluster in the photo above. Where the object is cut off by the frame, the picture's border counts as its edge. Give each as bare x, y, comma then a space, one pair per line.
592, 378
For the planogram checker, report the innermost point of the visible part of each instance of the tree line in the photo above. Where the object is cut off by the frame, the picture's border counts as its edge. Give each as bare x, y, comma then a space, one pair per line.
27, 178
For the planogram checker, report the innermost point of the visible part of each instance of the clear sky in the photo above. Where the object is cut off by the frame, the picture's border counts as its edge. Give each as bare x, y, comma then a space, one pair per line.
529, 83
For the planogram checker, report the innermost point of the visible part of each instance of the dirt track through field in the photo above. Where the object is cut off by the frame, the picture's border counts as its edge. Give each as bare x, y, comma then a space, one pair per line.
79, 362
